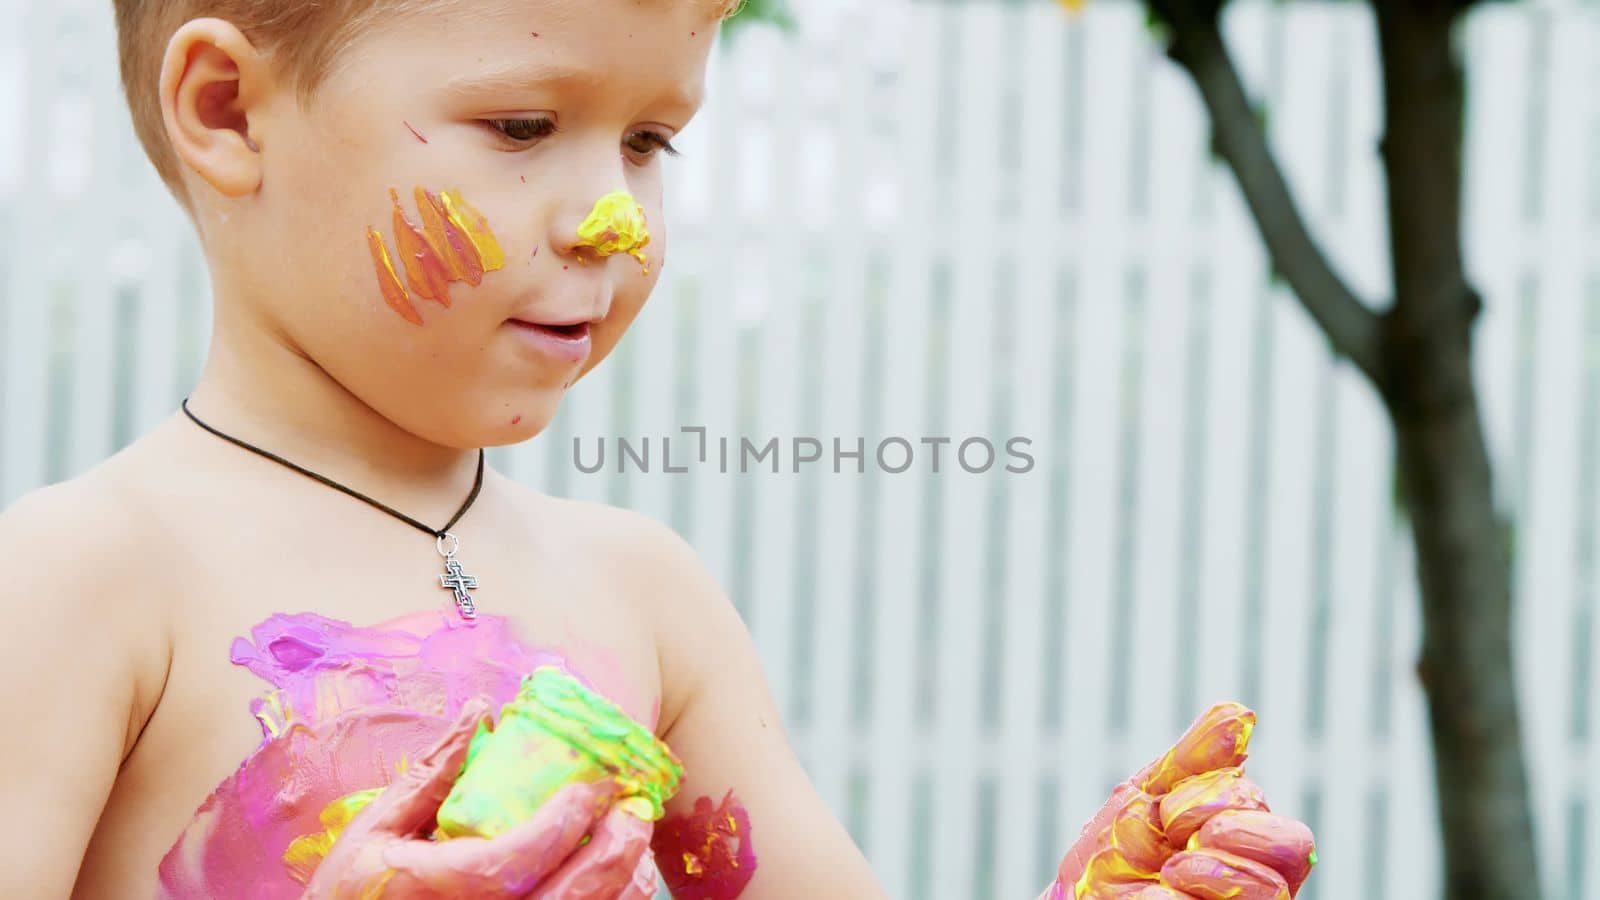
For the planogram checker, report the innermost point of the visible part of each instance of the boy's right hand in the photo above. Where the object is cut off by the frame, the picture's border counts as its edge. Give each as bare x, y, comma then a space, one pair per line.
1190, 825
384, 852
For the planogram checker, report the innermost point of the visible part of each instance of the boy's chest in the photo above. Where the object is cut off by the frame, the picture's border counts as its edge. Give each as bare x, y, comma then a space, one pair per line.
268, 634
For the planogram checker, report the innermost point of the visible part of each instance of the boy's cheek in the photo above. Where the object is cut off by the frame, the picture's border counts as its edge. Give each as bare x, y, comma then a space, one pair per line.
311, 219
608, 333
626, 304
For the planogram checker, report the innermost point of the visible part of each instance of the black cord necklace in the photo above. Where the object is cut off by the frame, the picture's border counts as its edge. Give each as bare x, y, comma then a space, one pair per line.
453, 579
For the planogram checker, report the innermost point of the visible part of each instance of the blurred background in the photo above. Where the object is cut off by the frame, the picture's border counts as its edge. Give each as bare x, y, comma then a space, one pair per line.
999, 220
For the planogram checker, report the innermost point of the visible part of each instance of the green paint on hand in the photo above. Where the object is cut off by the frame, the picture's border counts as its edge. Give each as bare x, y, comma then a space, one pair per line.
556, 732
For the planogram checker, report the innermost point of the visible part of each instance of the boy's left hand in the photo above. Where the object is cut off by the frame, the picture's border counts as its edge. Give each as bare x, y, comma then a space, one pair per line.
1190, 825
383, 853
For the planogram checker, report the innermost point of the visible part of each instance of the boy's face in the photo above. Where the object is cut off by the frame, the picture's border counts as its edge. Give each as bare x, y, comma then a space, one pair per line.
525, 112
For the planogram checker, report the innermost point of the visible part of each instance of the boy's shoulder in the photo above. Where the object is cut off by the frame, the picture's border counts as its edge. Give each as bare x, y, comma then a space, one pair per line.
82, 531
635, 543
86, 587
98, 542
695, 624
653, 565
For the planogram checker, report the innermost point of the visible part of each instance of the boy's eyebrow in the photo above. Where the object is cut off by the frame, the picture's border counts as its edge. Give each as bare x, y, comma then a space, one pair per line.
520, 76
679, 98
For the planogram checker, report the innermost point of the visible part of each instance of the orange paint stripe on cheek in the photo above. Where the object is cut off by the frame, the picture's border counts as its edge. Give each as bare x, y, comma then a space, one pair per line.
433, 228
456, 246
425, 272
394, 293
469, 220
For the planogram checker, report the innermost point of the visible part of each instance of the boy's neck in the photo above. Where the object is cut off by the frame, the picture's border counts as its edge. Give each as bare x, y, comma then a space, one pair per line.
276, 398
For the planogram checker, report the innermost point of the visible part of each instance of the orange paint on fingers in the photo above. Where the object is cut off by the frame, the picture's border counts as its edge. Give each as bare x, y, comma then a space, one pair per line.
1218, 739
1272, 840
1197, 799
1136, 833
1219, 875
1106, 870
1096, 835
1136, 892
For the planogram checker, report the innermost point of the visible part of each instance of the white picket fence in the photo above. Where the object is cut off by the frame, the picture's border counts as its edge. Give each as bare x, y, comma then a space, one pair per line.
991, 220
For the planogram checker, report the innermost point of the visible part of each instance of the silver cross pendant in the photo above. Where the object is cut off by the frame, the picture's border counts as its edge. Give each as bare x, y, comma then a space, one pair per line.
455, 580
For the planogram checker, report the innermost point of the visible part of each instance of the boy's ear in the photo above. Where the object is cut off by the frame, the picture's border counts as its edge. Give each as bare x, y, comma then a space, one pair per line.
212, 78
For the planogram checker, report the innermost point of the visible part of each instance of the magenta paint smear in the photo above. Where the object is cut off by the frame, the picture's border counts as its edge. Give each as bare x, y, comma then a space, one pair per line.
348, 709
707, 853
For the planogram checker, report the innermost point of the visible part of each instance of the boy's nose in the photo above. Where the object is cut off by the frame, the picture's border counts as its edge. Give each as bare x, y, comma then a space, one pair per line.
593, 228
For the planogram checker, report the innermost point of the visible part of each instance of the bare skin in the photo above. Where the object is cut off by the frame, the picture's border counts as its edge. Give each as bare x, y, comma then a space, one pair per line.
171, 549
114, 667
200, 572
141, 572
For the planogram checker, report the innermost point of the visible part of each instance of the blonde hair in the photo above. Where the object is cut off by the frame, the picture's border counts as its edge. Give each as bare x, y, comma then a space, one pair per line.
304, 38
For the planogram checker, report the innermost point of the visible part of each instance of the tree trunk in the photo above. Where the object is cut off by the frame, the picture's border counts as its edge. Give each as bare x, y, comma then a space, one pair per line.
1462, 546
1466, 662
1419, 356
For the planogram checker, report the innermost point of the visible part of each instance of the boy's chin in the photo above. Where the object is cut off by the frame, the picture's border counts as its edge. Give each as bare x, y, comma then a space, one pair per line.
524, 418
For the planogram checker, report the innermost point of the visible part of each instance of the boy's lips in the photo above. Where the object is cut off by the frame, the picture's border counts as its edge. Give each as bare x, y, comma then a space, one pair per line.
555, 322
566, 342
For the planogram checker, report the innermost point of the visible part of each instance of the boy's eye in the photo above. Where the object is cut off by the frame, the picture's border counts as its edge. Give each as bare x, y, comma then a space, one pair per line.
524, 130
647, 143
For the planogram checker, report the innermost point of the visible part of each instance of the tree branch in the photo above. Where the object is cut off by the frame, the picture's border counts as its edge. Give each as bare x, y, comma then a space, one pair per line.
1196, 44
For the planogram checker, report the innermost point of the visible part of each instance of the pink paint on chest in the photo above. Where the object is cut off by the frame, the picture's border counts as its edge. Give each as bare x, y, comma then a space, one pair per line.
708, 853
348, 709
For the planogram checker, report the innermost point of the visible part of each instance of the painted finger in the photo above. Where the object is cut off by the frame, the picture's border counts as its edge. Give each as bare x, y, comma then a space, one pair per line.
1158, 892
1134, 851
1095, 837
1136, 891
1195, 800
1218, 739
507, 865
1220, 875
351, 872
1137, 834
409, 805
605, 866
1105, 870
1284, 844
645, 879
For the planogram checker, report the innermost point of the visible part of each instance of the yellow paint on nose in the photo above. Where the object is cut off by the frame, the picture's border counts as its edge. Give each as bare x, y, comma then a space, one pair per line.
616, 225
